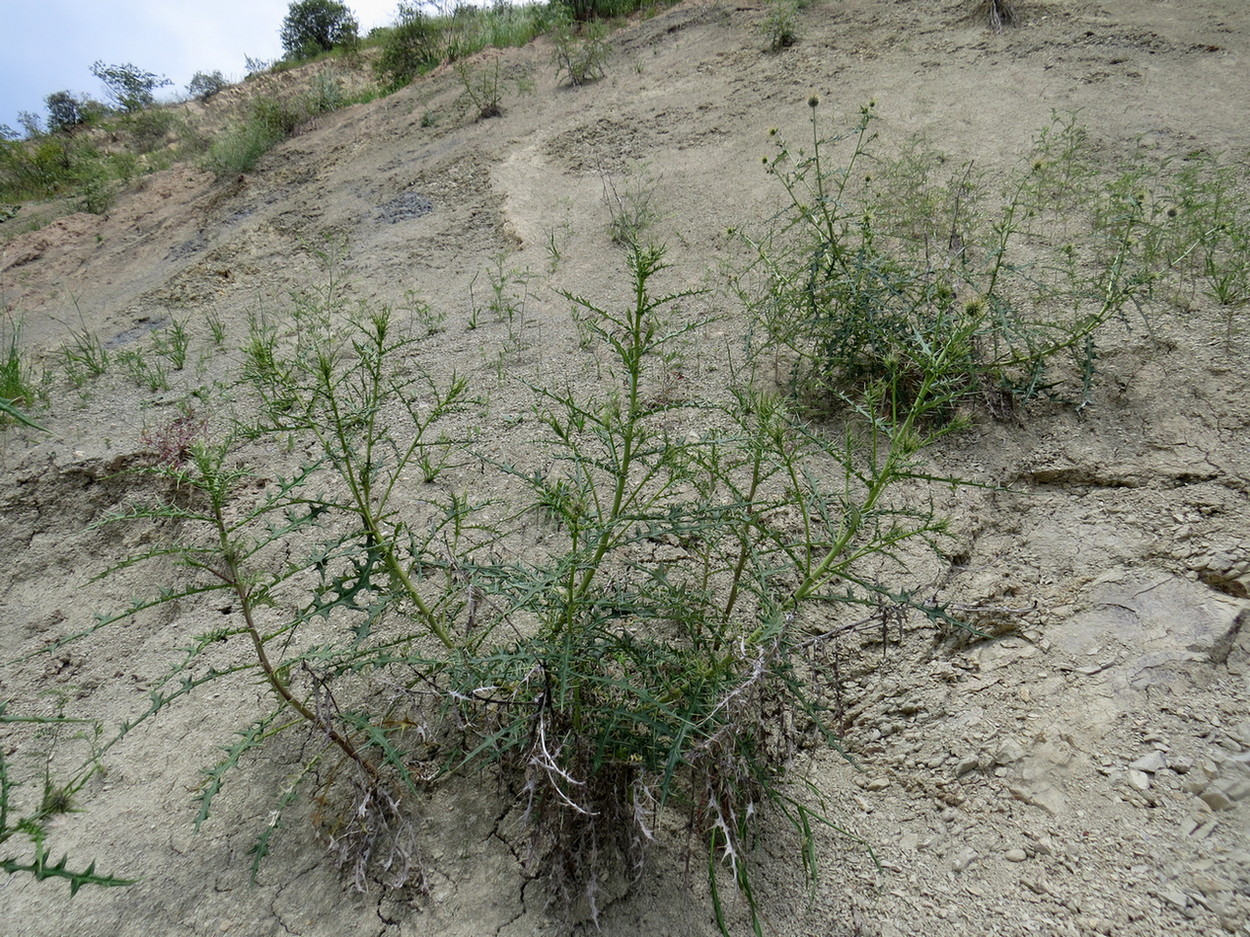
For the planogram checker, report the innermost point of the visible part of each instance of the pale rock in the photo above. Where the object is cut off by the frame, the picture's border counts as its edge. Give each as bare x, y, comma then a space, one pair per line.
1034, 770
1138, 780
1216, 799
1046, 796
1180, 763
1239, 765
1210, 884
1174, 897
1152, 763
1241, 732
1194, 785
1205, 830
1015, 855
963, 858
1043, 845
1008, 753
966, 765
1238, 789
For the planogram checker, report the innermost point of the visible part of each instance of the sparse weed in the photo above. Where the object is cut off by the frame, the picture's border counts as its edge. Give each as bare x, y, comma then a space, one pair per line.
428, 318
173, 343
17, 383
643, 651
32, 825
1207, 239
780, 26
882, 277
482, 87
507, 293
146, 374
370, 424
581, 52
631, 208
216, 327
84, 358
173, 443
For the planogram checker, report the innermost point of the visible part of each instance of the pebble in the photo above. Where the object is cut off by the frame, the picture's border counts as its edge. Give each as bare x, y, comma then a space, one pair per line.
1016, 855
877, 784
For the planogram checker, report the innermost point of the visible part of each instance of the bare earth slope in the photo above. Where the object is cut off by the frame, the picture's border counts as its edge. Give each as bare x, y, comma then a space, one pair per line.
1086, 771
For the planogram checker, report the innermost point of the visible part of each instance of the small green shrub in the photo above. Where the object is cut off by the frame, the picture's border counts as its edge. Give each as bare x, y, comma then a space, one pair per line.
95, 185
632, 632
326, 93
586, 10
631, 209
483, 89
242, 145
152, 128
780, 26
411, 47
581, 52
885, 276
204, 85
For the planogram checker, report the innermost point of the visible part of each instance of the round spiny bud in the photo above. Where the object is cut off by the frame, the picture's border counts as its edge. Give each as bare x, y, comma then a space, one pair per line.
813, 101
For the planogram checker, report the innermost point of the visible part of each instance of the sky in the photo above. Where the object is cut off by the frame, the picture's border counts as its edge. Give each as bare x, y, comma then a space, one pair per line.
50, 45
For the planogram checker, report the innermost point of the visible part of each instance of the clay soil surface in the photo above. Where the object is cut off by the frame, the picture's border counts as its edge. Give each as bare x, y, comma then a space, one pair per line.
1083, 769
